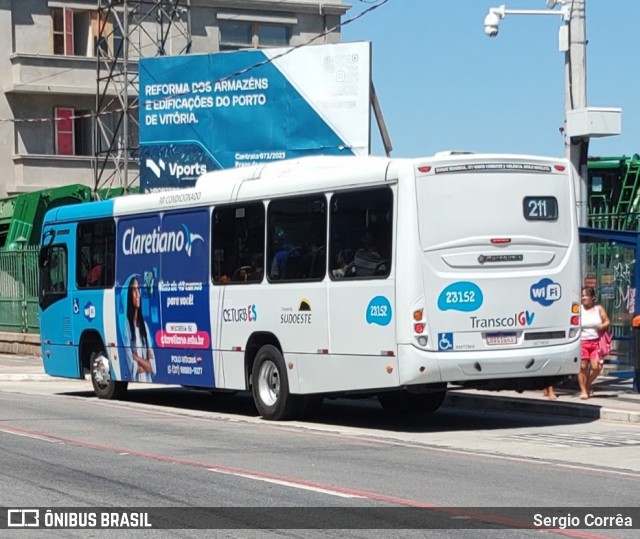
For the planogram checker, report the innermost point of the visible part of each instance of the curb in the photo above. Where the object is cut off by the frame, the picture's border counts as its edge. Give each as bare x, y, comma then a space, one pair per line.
25, 377
540, 407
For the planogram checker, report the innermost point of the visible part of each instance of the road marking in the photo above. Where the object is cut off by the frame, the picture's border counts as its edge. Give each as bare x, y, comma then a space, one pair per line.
33, 436
287, 483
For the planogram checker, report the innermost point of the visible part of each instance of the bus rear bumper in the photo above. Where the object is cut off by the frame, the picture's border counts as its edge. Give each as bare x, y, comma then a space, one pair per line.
423, 367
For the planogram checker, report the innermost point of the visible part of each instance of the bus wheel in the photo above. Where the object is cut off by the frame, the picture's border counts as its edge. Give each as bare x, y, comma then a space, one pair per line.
403, 402
103, 386
270, 386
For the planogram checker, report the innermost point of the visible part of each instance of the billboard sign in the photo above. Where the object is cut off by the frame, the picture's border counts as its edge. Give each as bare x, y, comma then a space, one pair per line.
199, 112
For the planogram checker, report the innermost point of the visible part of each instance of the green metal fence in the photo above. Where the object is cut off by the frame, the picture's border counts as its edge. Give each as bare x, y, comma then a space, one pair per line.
19, 290
612, 270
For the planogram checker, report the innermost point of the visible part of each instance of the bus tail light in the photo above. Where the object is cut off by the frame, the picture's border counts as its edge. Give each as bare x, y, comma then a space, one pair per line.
420, 326
575, 310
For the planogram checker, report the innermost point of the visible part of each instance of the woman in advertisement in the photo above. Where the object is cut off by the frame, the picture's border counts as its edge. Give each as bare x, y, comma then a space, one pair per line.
140, 358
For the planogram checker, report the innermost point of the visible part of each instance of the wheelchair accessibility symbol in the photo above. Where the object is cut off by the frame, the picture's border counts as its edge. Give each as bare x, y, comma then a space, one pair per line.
445, 341
76, 306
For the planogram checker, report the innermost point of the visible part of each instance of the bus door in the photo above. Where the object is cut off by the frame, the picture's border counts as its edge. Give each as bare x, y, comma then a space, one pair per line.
58, 303
94, 279
184, 339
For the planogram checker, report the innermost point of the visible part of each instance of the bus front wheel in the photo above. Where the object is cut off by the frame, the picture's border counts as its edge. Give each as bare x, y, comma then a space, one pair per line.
103, 386
270, 386
404, 402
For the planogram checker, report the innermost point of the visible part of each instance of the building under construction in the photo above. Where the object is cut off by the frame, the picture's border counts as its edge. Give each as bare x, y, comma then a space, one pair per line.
68, 104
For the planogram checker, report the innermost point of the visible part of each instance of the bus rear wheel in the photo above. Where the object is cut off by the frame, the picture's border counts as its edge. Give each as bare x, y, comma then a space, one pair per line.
103, 386
270, 386
404, 402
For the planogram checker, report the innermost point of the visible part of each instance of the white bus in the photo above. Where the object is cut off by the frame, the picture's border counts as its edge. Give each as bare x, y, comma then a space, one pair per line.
322, 276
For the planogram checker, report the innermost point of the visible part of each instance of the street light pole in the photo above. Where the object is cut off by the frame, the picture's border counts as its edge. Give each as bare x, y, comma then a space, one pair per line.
580, 122
575, 97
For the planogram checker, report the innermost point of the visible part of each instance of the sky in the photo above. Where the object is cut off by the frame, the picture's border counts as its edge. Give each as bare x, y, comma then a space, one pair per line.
444, 85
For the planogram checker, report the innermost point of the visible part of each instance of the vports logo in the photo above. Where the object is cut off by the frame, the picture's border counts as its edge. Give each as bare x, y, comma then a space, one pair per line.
176, 170
523, 318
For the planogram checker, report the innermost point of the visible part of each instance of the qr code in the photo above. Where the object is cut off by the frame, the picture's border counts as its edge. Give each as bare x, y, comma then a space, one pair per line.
341, 74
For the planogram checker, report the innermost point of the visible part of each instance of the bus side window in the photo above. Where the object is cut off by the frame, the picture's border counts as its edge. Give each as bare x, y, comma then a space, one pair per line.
95, 267
361, 227
296, 238
237, 243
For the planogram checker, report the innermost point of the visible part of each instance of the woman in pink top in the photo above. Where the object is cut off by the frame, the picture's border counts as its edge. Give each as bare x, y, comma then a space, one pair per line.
594, 320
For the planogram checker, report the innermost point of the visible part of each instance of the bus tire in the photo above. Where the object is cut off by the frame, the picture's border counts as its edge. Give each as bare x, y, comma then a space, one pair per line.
270, 386
403, 402
103, 386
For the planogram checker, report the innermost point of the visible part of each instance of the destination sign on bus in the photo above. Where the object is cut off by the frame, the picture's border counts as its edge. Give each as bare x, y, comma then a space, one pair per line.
491, 167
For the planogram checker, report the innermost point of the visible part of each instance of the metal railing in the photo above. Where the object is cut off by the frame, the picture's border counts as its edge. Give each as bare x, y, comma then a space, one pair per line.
19, 290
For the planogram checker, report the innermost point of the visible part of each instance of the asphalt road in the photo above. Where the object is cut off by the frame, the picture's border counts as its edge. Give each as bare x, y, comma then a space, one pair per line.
178, 448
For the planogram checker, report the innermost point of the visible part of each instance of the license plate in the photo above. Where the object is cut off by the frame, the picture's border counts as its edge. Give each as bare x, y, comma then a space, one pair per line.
502, 338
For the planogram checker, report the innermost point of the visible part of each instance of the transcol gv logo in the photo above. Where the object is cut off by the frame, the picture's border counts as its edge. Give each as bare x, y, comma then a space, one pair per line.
545, 292
523, 318
158, 241
175, 169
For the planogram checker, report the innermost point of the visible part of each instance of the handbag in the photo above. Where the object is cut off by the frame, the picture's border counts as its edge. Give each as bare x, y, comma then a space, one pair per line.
605, 343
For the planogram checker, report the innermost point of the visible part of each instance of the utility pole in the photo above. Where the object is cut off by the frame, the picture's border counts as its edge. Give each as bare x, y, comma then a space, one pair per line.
575, 97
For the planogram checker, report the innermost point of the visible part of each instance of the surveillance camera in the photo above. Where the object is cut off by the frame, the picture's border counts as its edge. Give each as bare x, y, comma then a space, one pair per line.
491, 23
491, 31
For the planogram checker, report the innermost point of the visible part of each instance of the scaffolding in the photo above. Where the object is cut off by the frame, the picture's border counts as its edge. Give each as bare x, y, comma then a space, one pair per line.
129, 30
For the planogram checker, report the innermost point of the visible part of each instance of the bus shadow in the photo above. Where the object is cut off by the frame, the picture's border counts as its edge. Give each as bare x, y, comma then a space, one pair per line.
368, 414
351, 412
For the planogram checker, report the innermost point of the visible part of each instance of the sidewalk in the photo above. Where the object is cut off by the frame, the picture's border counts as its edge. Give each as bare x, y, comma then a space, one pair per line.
613, 400
21, 368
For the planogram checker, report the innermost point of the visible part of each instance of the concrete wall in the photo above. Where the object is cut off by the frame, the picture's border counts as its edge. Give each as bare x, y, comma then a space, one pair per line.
20, 343
6, 128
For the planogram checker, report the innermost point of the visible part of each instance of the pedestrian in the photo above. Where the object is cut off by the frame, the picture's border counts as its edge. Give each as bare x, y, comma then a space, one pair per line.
594, 321
550, 393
